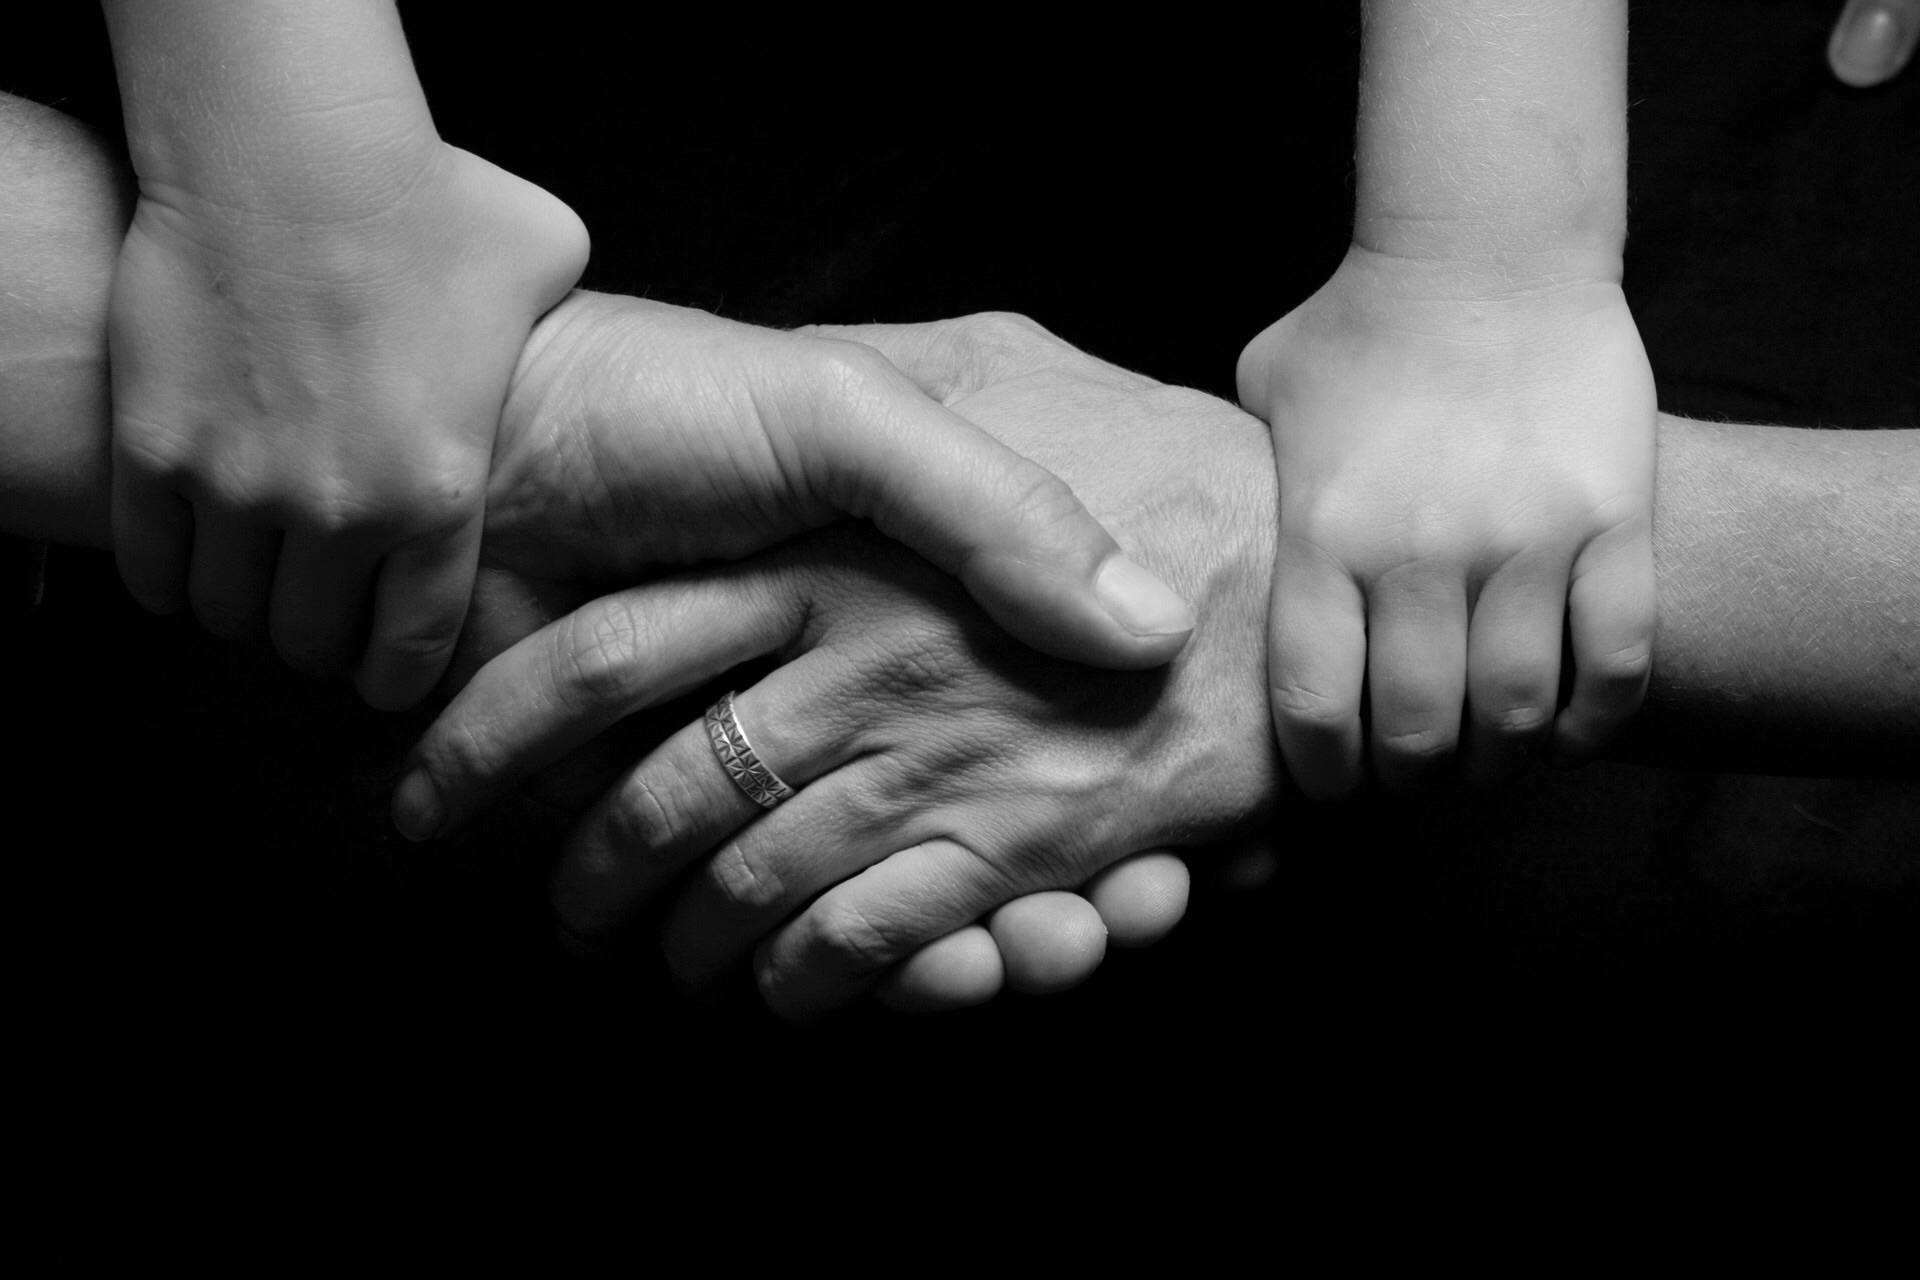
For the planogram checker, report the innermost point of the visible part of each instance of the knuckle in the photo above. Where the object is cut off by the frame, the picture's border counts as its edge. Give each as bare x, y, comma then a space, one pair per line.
745, 881
1520, 718
643, 819
459, 751
1623, 668
156, 450
431, 641
1424, 745
847, 939
848, 371
1308, 708
1044, 498
594, 656
1004, 329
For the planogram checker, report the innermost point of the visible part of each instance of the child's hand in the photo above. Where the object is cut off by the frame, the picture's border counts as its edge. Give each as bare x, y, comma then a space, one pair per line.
307, 377
1461, 468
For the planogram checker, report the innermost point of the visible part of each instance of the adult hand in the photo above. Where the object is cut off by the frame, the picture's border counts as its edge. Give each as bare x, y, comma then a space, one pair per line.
942, 770
639, 436
1873, 40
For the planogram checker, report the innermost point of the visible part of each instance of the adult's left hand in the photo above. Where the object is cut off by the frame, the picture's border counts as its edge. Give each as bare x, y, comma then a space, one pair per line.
942, 770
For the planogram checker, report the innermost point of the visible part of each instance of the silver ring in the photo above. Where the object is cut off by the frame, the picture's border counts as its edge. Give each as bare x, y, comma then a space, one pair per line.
762, 785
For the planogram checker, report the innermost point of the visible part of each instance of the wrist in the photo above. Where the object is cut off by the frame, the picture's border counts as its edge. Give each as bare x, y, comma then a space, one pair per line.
1510, 274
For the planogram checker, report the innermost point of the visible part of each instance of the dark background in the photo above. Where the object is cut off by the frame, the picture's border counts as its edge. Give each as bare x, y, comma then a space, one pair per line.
216, 928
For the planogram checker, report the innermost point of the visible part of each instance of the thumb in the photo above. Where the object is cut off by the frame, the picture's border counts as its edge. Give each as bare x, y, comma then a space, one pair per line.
1017, 537
1873, 40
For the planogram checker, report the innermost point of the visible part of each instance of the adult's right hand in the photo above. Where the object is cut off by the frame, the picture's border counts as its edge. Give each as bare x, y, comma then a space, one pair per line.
640, 437
942, 771
1873, 40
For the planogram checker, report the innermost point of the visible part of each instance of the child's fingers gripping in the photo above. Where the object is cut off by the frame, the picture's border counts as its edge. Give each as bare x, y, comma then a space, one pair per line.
1513, 666
152, 539
1611, 613
230, 583
319, 602
1317, 656
1416, 671
419, 603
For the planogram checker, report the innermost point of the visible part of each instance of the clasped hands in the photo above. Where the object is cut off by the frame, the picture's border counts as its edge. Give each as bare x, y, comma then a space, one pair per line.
946, 773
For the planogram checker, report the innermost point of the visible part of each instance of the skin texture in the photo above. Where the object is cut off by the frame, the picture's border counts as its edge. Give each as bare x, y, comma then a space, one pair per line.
1463, 415
314, 315
1788, 610
941, 773
65, 207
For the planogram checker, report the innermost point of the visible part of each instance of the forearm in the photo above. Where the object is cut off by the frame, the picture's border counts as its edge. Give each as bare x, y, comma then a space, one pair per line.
232, 96
1494, 132
1789, 599
1789, 633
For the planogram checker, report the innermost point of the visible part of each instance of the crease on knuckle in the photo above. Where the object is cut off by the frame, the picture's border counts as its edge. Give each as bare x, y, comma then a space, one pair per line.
753, 886
850, 941
1424, 745
1519, 717
594, 659
1625, 667
641, 822
1309, 708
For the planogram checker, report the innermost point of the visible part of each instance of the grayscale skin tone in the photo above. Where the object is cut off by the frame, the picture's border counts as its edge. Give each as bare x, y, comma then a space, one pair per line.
818, 426
1873, 41
951, 770
1463, 415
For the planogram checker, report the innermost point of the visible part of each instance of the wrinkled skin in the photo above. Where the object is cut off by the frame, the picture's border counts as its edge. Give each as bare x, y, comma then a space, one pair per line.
942, 770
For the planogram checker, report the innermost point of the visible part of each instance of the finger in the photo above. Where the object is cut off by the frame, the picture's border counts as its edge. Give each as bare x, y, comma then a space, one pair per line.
1610, 616
420, 599
1416, 671
1044, 941
319, 602
566, 683
1513, 667
1014, 533
1317, 658
680, 802
850, 935
847, 820
152, 540
231, 579
1049, 941
1140, 899
955, 972
1873, 40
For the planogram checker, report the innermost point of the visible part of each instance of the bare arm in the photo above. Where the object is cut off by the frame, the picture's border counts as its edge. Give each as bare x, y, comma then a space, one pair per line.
1494, 132
1789, 633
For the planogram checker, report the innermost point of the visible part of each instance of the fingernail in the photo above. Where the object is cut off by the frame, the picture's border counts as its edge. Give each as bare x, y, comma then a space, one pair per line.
1138, 600
417, 810
1867, 48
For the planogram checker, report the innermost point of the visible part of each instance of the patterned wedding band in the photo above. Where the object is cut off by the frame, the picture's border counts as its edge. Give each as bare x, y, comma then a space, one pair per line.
762, 785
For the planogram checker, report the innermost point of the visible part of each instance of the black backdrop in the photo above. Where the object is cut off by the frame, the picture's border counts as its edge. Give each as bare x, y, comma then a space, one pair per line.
216, 927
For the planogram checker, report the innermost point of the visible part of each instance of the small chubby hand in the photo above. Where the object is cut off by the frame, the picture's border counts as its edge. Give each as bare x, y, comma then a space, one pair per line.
1466, 483
307, 371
